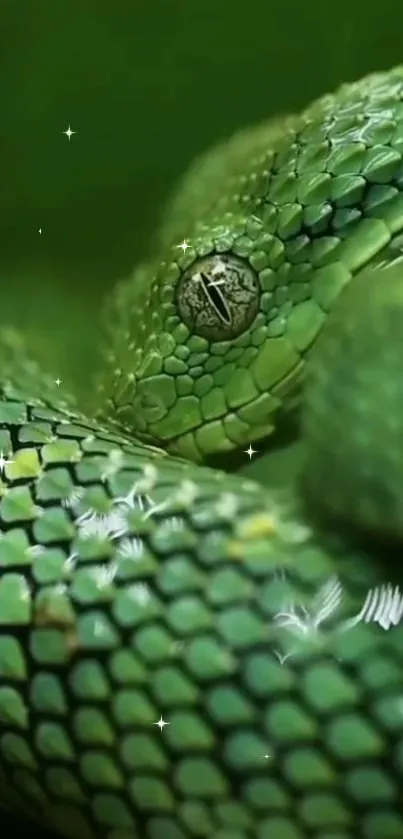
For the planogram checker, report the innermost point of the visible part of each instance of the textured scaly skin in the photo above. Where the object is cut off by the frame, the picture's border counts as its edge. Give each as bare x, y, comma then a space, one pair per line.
136, 586
299, 213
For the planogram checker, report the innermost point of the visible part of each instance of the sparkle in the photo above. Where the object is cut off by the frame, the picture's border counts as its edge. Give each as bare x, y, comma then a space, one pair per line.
4, 461
250, 451
184, 246
40, 231
161, 723
69, 133
58, 381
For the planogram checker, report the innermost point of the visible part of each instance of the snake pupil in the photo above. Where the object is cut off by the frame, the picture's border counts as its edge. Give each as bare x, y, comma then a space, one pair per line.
216, 299
218, 296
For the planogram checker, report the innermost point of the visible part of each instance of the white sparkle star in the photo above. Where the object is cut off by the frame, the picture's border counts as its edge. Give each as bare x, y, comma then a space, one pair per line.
250, 451
4, 461
58, 381
184, 245
40, 231
161, 723
69, 133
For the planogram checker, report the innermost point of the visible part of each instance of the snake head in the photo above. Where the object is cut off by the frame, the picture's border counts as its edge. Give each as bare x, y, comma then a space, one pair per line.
207, 346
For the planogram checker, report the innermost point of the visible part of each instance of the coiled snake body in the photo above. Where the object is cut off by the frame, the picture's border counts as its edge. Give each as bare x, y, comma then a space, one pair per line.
182, 653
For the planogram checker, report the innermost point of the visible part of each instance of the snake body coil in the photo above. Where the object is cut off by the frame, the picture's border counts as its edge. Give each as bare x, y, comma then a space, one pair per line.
183, 654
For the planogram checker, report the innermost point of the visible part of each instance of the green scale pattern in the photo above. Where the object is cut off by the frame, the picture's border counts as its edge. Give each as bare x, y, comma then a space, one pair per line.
270, 732
136, 587
305, 202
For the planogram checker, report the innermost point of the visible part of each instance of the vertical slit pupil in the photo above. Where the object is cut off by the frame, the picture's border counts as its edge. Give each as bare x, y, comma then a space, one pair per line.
216, 298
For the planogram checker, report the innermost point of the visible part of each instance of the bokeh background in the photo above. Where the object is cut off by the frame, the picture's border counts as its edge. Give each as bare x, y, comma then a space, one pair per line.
146, 84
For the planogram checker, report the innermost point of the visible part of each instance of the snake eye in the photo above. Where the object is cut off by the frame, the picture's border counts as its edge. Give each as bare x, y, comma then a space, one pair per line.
218, 297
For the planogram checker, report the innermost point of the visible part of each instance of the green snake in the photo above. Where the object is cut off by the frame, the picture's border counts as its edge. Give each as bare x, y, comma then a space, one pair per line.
183, 653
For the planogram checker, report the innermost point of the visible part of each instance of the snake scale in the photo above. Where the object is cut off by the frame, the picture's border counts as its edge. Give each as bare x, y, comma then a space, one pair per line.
183, 653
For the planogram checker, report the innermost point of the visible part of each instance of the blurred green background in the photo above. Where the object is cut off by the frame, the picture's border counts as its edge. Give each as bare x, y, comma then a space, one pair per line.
146, 84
